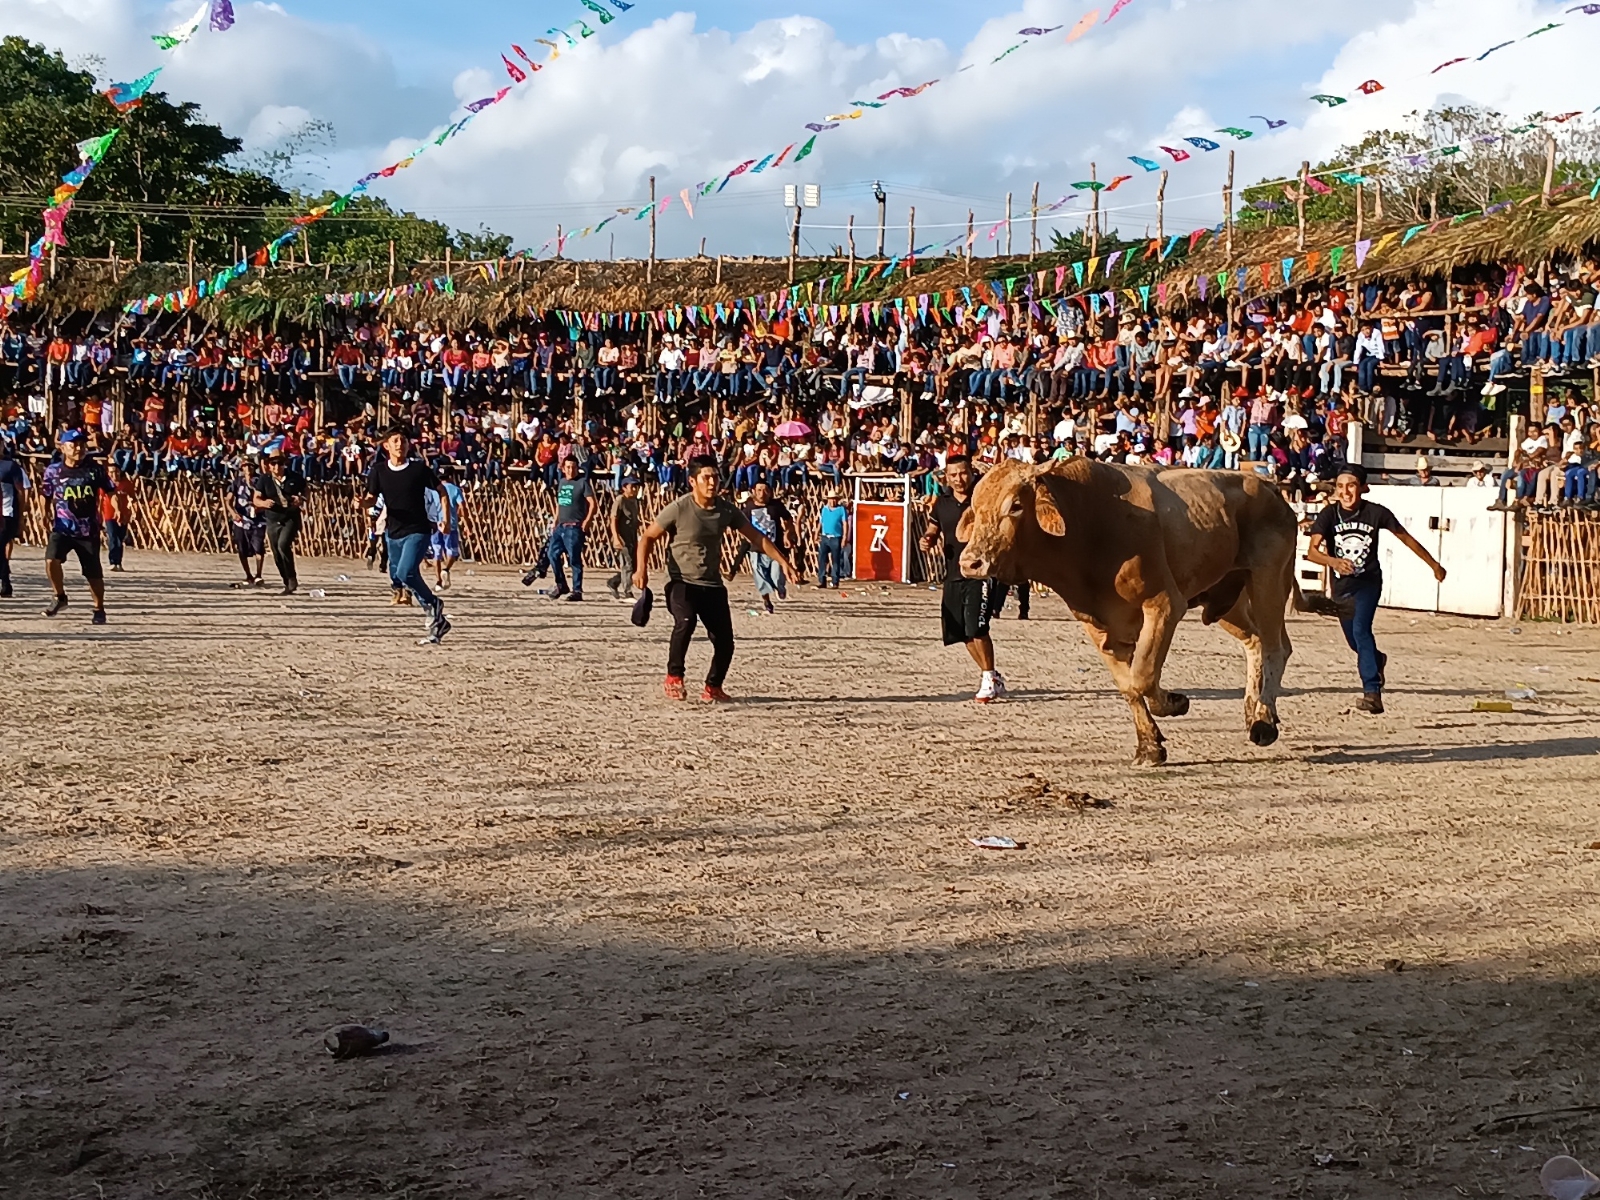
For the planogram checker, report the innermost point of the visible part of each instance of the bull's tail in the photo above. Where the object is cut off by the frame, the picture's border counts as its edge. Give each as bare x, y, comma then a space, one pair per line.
1318, 604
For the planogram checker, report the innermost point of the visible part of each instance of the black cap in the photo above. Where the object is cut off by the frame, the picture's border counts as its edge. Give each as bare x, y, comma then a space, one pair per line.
1356, 471
642, 607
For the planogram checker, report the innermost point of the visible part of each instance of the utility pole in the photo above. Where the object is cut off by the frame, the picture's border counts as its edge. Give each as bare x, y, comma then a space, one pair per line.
794, 239
967, 252
1300, 205
1227, 206
1161, 208
1008, 224
883, 212
851, 274
1033, 242
1094, 212
911, 236
650, 267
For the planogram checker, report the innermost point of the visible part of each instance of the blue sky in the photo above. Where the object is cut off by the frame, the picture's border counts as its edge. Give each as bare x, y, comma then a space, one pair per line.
683, 91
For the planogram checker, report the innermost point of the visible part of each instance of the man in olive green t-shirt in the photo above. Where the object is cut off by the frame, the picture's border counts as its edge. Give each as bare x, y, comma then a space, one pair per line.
696, 525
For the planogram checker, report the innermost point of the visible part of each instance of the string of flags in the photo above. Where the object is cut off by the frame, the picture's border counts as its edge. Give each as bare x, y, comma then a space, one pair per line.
268, 255
24, 283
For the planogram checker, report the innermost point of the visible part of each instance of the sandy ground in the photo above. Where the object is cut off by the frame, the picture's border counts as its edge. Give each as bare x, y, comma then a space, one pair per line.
631, 949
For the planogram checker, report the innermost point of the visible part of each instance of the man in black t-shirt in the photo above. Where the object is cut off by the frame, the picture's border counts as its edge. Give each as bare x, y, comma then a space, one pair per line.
1350, 526
969, 604
279, 495
249, 526
404, 483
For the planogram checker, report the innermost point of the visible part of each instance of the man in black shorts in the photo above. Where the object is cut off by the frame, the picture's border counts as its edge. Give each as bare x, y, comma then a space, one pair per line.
249, 526
969, 604
73, 487
14, 487
695, 526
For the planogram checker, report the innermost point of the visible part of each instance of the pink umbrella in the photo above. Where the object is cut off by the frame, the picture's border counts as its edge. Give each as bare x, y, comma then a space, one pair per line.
794, 429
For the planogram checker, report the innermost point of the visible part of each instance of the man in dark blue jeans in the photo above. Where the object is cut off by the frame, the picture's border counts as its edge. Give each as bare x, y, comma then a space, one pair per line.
1350, 526
404, 483
575, 508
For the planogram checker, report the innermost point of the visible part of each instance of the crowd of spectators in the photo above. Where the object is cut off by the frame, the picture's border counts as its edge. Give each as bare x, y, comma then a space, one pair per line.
1275, 382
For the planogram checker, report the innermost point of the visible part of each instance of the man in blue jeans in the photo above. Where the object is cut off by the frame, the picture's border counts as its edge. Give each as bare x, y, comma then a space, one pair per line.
1350, 525
404, 482
833, 527
575, 509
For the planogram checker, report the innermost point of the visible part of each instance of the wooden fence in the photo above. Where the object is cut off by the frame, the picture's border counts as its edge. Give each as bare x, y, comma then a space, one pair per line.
1560, 576
502, 522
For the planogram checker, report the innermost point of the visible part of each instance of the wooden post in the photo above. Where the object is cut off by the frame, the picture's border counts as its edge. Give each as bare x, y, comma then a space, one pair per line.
447, 268
851, 227
1094, 211
1300, 205
967, 251
1361, 206
650, 266
1161, 208
794, 239
560, 242
1549, 168
138, 242
1227, 207
191, 258
883, 216
614, 247
719, 270
305, 244
911, 235
1033, 243
114, 275
1008, 224
391, 262
1377, 201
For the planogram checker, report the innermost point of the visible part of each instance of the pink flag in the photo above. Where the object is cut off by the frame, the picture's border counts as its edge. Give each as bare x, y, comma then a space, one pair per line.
687, 203
518, 75
1118, 7
662, 207
1317, 185
1177, 155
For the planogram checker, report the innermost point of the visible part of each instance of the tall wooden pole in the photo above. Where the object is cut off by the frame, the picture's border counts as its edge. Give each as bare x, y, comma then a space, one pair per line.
1094, 211
650, 267
560, 242
1377, 201
391, 262
1161, 207
1300, 205
911, 235
967, 252
1549, 168
1008, 224
851, 274
1361, 204
883, 216
1227, 206
1033, 237
794, 238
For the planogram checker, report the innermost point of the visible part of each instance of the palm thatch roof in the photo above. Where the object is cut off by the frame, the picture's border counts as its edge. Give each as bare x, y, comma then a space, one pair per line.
1525, 232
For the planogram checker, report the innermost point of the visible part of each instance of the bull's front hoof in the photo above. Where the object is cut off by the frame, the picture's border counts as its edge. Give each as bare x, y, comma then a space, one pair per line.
1177, 705
1263, 733
1151, 756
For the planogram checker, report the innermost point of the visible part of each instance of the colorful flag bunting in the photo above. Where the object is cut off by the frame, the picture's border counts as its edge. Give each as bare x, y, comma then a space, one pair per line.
1177, 155
1330, 101
1147, 164
1271, 124
1205, 144
1085, 23
1231, 131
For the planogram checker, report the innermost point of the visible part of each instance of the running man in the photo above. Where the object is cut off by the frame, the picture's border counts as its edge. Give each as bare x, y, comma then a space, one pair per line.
249, 527
775, 522
445, 548
279, 493
625, 523
14, 488
969, 604
74, 486
403, 482
1351, 526
575, 509
694, 527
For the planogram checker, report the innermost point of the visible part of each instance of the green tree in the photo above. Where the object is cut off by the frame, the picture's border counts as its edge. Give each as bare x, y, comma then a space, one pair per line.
166, 177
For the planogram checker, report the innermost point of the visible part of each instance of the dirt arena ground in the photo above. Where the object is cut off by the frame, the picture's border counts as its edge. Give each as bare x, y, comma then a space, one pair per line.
633, 949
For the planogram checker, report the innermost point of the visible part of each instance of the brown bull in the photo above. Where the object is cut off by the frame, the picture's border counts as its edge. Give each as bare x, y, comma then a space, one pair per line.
1131, 549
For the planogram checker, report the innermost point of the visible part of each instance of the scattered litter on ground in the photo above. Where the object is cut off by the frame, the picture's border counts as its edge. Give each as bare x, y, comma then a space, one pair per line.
1494, 706
344, 579
352, 1041
1565, 1178
998, 843
1542, 670
317, 594
902, 1095
1329, 1161
1521, 693
1516, 631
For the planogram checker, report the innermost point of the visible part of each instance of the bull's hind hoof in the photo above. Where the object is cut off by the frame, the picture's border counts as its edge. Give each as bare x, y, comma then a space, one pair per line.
1177, 705
1263, 733
1150, 756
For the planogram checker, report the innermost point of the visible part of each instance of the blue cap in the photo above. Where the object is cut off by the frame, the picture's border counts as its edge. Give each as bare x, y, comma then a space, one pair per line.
70, 435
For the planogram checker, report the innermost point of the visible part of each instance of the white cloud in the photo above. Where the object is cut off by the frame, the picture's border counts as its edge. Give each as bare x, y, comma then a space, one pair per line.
671, 98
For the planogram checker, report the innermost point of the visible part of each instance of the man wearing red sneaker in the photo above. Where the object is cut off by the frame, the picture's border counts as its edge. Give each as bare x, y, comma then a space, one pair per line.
694, 527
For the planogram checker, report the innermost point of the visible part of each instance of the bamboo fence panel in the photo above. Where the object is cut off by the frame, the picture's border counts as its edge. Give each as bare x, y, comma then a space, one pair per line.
1560, 577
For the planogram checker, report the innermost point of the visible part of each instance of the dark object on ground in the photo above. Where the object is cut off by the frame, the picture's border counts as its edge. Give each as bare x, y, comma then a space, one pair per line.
352, 1041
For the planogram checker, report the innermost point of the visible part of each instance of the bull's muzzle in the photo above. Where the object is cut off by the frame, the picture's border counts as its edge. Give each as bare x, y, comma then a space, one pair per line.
974, 564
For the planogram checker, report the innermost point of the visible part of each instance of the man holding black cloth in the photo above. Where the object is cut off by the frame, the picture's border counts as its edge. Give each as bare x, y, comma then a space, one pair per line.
404, 482
694, 527
969, 604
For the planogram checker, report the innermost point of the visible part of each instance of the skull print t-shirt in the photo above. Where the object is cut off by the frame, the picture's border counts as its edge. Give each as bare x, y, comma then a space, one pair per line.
1353, 535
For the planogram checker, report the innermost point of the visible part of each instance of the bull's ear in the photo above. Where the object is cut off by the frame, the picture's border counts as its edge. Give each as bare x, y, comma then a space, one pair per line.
964, 527
1046, 512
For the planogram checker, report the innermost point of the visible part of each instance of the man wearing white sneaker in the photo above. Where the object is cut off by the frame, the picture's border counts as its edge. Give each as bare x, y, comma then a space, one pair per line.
403, 482
969, 604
